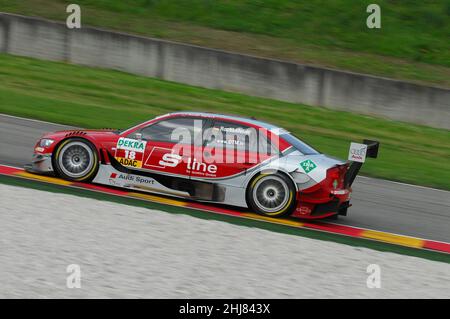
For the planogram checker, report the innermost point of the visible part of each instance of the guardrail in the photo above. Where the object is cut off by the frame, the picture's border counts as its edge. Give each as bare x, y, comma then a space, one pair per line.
199, 66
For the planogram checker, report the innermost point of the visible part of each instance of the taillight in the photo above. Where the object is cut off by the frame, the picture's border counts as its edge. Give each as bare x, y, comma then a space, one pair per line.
335, 176
333, 173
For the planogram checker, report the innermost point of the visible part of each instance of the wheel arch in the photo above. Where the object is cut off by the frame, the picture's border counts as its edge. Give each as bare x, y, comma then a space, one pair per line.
269, 171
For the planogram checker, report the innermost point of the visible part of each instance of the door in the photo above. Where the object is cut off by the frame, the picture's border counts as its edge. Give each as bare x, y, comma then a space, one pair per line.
168, 146
229, 149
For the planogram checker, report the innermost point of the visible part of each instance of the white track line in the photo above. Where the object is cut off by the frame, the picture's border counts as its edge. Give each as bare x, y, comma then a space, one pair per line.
31, 120
400, 183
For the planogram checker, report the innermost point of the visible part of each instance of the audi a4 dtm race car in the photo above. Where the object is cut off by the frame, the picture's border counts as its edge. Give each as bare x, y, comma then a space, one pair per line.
210, 158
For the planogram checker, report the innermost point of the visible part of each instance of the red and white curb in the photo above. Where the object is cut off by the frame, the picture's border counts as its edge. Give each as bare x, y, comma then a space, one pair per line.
316, 225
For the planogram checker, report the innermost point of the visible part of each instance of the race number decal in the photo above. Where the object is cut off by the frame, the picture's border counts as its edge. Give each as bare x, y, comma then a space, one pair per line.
130, 152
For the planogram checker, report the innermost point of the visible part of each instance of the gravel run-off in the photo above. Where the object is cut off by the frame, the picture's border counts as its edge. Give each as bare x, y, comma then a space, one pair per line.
131, 252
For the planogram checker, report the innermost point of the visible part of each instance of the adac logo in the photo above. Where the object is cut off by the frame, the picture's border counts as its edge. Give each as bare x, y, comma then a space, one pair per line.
308, 165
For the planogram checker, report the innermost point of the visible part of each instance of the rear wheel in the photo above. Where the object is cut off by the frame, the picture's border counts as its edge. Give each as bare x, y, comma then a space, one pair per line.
271, 195
76, 160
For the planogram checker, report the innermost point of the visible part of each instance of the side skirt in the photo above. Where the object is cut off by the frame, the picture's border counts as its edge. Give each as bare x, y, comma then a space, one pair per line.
172, 186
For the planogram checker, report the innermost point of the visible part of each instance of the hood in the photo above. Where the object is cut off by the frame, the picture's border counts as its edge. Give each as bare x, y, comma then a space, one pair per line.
79, 132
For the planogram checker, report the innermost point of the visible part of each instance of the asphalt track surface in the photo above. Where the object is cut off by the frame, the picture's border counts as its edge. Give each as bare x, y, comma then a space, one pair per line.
377, 204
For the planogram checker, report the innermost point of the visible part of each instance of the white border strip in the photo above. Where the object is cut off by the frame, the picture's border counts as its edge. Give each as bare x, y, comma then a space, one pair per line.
400, 183
32, 120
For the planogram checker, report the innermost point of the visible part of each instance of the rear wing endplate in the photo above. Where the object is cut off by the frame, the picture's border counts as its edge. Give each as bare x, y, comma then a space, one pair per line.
357, 155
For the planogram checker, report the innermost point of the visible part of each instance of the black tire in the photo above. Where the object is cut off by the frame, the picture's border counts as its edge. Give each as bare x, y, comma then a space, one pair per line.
76, 159
271, 195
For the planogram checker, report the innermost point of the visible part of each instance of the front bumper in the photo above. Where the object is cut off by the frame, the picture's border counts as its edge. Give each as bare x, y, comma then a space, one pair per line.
40, 163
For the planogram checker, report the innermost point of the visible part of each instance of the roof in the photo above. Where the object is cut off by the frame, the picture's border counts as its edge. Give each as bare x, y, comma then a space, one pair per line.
265, 125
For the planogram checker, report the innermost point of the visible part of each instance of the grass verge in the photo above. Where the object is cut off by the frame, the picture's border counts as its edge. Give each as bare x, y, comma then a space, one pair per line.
356, 242
96, 98
411, 45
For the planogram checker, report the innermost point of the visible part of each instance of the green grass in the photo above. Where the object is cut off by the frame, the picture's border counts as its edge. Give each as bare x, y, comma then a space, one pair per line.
319, 235
413, 43
92, 98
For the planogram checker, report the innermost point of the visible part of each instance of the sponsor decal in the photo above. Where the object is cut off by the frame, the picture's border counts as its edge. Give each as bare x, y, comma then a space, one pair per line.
131, 179
131, 144
357, 152
170, 160
303, 210
236, 130
200, 168
130, 152
308, 166
193, 166
144, 180
230, 142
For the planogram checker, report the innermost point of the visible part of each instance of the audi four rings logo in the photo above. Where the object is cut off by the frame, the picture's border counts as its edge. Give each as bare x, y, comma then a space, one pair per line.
360, 152
357, 152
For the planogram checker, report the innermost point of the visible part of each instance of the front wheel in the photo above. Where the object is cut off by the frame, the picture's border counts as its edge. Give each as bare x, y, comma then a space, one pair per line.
76, 160
271, 195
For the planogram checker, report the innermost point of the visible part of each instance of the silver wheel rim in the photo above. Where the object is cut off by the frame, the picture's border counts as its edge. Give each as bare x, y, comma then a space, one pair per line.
76, 159
271, 194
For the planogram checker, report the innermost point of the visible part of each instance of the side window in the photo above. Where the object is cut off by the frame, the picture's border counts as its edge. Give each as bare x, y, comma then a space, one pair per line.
232, 136
227, 135
175, 130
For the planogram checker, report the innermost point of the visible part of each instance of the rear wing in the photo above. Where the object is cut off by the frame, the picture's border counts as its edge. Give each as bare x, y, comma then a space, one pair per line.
357, 155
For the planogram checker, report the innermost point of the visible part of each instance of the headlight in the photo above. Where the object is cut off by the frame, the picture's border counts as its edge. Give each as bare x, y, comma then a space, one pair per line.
45, 142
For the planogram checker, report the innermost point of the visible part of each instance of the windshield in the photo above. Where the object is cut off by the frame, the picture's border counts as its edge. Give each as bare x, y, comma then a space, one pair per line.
302, 147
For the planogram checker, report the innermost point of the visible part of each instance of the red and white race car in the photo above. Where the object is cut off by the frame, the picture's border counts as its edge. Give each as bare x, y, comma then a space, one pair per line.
210, 158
